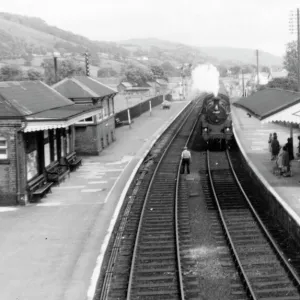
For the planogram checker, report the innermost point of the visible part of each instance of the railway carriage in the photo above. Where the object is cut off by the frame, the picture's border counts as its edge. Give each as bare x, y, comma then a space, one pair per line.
215, 120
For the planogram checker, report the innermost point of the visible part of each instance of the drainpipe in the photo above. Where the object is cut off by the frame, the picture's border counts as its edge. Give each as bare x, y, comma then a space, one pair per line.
18, 179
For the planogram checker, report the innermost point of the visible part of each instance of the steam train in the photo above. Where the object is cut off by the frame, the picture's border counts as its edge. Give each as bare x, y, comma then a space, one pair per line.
215, 119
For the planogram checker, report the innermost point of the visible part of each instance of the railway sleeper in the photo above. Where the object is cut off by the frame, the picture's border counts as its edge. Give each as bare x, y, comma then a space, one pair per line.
170, 292
278, 292
156, 251
152, 247
163, 256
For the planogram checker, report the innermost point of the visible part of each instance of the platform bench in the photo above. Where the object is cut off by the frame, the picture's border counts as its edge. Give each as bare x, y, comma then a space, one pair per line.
74, 162
43, 189
57, 174
40, 188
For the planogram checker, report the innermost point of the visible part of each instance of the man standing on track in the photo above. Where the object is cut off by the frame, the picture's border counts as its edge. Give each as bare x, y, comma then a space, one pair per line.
186, 159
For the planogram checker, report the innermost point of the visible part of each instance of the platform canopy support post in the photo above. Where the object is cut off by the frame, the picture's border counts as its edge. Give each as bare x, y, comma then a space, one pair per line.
291, 135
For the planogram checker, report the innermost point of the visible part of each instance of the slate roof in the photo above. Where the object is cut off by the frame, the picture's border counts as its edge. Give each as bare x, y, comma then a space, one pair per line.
62, 113
23, 98
82, 87
268, 102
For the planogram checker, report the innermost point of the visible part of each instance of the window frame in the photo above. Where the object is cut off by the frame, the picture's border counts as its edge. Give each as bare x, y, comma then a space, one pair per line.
4, 156
83, 121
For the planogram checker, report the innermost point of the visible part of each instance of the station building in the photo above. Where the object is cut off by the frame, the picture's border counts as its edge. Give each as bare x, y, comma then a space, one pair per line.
94, 133
37, 130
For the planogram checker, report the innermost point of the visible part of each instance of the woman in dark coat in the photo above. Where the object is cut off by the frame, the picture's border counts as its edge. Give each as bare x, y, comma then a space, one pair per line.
275, 146
290, 150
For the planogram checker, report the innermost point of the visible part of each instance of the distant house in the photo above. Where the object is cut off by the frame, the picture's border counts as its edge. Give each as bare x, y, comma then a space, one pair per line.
123, 86
264, 78
143, 58
132, 88
279, 74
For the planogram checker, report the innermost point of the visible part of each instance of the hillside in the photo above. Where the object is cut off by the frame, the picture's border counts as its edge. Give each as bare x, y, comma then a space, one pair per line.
241, 55
27, 41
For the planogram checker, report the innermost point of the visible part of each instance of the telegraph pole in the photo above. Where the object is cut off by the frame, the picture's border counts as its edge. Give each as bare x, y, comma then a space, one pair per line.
297, 31
257, 67
243, 83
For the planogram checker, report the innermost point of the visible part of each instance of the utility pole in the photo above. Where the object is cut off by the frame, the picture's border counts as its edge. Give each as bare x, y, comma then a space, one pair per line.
55, 56
243, 83
293, 30
257, 67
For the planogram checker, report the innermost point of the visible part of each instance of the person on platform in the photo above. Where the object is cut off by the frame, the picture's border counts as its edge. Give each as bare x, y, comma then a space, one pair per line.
285, 171
270, 141
289, 146
275, 146
186, 160
298, 146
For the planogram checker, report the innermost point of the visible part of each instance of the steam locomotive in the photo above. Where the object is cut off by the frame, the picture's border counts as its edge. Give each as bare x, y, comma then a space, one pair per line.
215, 119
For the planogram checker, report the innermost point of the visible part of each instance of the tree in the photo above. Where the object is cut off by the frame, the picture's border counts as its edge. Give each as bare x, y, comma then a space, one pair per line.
11, 73
235, 70
65, 68
33, 74
282, 83
106, 72
223, 71
169, 69
290, 59
157, 71
138, 75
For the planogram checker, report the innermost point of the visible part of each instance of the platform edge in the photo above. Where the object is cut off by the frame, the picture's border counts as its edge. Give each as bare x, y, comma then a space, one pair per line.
263, 180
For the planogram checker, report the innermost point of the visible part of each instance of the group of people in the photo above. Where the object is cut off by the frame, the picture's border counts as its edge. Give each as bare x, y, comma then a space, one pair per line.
282, 155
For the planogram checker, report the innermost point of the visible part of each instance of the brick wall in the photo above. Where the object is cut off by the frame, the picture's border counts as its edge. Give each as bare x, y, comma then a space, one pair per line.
88, 138
8, 168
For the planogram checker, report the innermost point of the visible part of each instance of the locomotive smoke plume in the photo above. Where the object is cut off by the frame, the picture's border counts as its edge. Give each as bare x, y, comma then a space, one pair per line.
206, 79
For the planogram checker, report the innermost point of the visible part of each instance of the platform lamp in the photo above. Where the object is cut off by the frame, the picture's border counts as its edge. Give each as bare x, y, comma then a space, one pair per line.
55, 56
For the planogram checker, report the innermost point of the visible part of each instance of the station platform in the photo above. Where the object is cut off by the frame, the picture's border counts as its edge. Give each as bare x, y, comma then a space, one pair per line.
53, 249
252, 137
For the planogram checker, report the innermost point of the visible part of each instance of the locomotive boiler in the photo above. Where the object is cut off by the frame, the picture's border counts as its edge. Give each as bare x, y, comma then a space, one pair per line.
215, 120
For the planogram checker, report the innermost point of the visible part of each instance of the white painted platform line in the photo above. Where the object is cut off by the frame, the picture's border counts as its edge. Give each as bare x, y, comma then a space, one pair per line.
97, 182
97, 269
6, 209
91, 190
68, 187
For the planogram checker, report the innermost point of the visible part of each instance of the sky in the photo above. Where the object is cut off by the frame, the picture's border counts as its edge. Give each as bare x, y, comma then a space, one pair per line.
255, 24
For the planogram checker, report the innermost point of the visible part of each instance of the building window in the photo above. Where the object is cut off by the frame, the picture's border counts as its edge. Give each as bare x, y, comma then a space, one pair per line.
3, 148
89, 120
99, 116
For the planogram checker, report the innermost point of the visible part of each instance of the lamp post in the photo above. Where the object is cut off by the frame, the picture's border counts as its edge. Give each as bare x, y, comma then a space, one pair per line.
55, 56
295, 28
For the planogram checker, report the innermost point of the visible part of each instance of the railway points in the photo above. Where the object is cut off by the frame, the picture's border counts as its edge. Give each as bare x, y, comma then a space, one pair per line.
283, 192
49, 250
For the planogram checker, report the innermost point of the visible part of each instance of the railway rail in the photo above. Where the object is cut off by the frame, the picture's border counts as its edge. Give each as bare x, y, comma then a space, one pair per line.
149, 258
263, 269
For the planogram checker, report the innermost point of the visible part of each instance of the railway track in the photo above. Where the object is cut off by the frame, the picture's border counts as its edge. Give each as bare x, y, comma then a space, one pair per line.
151, 245
263, 269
